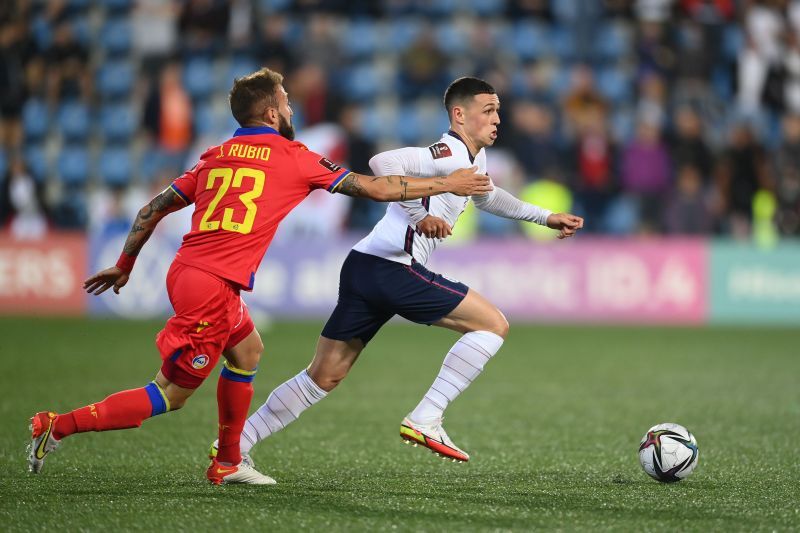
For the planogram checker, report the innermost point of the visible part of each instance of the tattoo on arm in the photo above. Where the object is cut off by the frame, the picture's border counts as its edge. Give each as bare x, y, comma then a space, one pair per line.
351, 186
403, 190
148, 217
162, 202
399, 187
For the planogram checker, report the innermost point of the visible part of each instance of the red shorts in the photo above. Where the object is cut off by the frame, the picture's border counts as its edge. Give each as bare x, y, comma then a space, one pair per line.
210, 317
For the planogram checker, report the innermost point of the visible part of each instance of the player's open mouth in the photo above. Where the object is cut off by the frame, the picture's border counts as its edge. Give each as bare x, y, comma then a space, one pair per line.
493, 135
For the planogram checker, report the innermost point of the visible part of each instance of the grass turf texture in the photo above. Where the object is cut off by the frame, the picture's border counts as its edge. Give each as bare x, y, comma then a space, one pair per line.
552, 426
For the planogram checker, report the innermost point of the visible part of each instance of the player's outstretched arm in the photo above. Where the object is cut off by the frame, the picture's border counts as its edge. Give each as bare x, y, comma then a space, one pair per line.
502, 203
146, 220
463, 182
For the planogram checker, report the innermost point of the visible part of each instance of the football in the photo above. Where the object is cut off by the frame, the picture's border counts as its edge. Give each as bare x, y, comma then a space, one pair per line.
668, 452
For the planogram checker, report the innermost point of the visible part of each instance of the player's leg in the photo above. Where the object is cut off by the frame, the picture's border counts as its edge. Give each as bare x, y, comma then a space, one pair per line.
234, 394
437, 300
484, 329
332, 361
122, 410
350, 327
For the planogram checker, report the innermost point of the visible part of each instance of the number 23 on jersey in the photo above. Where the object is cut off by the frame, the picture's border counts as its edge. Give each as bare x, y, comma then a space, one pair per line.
225, 178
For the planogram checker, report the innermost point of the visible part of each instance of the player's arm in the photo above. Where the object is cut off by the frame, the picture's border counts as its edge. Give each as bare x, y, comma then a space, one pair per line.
400, 162
416, 161
146, 220
398, 188
502, 203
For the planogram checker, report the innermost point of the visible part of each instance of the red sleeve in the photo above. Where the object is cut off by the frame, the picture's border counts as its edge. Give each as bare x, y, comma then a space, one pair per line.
319, 171
185, 186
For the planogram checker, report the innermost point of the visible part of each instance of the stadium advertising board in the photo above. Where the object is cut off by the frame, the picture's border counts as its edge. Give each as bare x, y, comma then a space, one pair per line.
43, 277
585, 281
652, 281
751, 285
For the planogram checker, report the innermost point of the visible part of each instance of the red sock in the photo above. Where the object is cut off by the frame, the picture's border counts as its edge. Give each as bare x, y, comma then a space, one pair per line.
126, 409
234, 392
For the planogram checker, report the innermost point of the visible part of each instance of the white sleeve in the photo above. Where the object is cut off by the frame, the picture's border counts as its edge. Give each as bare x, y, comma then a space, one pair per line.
410, 161
502, 203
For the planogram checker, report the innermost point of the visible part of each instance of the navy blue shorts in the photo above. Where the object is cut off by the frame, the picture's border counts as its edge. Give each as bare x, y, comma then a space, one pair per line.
372, 290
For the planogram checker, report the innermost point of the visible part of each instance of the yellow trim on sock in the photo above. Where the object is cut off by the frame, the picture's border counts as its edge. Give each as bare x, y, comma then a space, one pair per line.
163, 396
239, 370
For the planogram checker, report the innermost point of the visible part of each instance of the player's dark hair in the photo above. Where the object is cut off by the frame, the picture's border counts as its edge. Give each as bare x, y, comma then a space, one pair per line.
254, 93
463, 89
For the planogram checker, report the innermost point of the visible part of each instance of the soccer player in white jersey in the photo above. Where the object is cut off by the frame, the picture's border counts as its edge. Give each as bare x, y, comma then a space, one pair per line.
385, 275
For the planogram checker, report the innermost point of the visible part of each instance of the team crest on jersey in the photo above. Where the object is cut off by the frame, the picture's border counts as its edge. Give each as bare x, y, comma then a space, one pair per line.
440, 150
330, 165
200, 361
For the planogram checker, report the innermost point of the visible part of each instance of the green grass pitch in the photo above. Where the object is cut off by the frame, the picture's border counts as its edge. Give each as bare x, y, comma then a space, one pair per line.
552, 425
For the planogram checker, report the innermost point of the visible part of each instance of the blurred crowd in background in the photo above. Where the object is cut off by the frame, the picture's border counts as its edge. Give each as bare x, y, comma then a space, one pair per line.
644, 116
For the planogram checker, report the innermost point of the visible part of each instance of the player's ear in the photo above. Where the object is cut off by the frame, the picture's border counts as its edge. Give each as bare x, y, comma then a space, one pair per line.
458, 114
271, 115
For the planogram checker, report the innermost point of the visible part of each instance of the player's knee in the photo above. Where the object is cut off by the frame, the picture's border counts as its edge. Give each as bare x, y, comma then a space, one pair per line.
499, 324
177, 397
253, 356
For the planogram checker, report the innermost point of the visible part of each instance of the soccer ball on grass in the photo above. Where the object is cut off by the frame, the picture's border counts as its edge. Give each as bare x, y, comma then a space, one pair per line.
668, 452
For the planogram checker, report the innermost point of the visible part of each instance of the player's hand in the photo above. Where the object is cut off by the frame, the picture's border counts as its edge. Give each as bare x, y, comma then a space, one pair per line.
434, 227
105, 279
466, 182
567, 224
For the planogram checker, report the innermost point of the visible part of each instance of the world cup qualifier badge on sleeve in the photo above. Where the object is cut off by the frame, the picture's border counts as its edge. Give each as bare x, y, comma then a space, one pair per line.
330, 165
440, 150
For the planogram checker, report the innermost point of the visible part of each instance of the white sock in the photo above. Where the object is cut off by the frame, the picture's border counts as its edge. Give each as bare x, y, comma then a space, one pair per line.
461, 366
282, 407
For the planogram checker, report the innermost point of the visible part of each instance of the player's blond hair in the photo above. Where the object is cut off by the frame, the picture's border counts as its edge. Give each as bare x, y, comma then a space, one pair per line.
251, 95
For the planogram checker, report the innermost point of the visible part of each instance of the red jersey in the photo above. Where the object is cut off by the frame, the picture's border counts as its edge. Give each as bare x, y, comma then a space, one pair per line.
242, 189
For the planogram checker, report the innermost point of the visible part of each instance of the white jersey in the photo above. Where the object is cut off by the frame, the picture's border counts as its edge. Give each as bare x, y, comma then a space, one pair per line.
394, 237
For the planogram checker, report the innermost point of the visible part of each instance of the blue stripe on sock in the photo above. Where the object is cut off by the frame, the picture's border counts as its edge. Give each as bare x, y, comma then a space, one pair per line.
233, 376
156, 400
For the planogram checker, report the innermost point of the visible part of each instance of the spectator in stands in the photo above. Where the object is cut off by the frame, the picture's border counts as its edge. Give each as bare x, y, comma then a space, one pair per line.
645, 173
688, 211
618, 9
67, 67
743, 170
242, 27
533, 139
696, 54
687, 145
17, 55
539, 9
320, 42
787, 178
652, 101
272, 50
23, 203
657, 11
583, 99
154, 25
313, 99
423, 69
759, 62
654, 51
168, 117
203, 26
594, 156
711, 16
791, 64
364, 214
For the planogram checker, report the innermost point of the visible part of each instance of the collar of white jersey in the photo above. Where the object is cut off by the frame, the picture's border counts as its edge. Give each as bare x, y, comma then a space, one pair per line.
457, 136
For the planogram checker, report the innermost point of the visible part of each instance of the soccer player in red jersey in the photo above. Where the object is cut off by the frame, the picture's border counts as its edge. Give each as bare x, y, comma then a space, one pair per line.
241, 190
